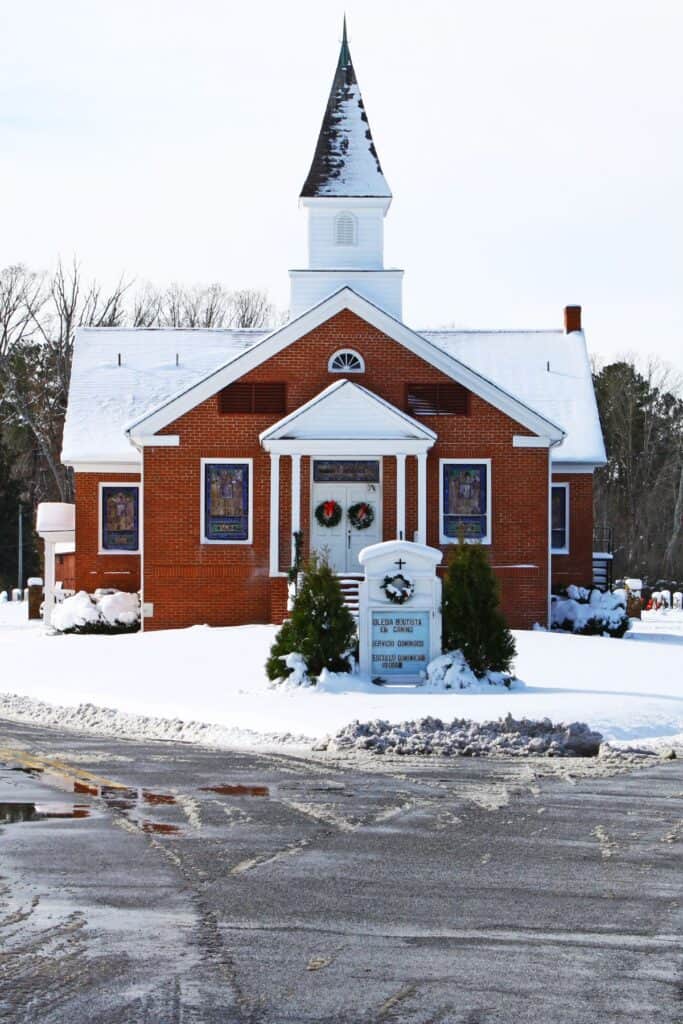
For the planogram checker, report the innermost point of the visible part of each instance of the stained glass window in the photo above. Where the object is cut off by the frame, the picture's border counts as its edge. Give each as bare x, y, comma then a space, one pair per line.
120, 520
226, 501
464, 495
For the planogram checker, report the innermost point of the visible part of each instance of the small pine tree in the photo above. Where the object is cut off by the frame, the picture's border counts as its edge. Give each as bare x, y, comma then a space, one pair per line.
472, 620
321, 628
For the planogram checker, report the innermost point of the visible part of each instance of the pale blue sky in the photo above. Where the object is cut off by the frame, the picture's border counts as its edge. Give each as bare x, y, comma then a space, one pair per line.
534, 149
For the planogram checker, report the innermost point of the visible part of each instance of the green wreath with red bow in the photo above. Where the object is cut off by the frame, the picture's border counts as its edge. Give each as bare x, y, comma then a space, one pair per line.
361, 515
329, 513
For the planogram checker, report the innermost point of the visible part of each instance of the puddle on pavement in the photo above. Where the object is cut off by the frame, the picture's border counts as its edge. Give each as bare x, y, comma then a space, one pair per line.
117, 798
14, 811
160, 828
157, 798
237, 790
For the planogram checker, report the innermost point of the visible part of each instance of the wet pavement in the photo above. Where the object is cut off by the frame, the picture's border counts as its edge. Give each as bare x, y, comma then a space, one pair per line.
166, 884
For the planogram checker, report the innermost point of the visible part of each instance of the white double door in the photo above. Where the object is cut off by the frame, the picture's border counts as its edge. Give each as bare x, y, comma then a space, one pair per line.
342, 543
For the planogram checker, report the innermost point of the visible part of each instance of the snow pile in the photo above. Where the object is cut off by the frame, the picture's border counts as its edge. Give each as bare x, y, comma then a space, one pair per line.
520, 737
81, 611
76, 612
590, 612
110, 722
452, 672
119, 608
298, 676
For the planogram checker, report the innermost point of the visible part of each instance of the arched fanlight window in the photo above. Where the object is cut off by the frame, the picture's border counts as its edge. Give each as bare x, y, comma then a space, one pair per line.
346, 361
345, 229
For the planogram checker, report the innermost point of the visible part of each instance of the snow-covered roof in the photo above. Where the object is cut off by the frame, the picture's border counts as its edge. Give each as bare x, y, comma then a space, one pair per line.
345, 162
105, 396
549, 371
346, 298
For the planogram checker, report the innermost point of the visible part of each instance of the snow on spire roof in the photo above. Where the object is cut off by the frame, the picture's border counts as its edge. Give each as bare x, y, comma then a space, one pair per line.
345, 162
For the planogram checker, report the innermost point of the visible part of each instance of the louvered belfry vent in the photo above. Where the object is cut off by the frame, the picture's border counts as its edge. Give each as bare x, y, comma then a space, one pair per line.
269, 397
437, 400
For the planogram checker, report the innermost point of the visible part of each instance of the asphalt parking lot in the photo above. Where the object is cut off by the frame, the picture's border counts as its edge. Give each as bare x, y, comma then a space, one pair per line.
168, 883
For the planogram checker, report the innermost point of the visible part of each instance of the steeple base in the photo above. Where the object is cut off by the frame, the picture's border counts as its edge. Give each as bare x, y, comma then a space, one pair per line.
384, 288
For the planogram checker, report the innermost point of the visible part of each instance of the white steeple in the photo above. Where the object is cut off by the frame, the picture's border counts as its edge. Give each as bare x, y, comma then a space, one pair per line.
347, 197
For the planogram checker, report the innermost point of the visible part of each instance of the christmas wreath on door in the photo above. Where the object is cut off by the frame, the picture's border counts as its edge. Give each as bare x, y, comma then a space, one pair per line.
361, 515
329, 513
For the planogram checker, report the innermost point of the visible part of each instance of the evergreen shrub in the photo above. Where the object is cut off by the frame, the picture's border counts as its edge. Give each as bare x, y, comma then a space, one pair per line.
321, 628
472, 620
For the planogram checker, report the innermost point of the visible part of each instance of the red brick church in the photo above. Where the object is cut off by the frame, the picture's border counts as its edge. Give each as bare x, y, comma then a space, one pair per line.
199, 454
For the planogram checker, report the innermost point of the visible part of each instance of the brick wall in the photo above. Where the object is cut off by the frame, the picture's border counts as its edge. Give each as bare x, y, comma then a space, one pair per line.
92, 569
189, 582
577, 566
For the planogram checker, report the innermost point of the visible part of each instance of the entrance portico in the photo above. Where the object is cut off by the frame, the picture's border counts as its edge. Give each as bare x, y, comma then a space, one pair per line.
348, 432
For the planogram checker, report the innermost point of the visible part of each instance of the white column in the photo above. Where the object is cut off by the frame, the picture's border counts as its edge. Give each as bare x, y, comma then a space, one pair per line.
400, 497
422, 497
296, 499
274, 513
49, 591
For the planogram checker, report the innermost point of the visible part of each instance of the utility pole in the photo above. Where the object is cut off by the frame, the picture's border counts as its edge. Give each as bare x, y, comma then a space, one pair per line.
20, 559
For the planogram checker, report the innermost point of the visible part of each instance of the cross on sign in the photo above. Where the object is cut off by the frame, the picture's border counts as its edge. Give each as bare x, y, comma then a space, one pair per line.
400, 563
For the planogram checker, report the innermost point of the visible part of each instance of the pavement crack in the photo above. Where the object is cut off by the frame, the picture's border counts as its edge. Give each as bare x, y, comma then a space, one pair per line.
607, 846
251, 863
387, 1008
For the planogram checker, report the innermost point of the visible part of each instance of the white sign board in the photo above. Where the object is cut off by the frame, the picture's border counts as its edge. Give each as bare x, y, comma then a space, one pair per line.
399, 637
400, 641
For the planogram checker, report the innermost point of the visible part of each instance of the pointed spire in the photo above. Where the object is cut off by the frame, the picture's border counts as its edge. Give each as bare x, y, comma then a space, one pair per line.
345, 162
345, 53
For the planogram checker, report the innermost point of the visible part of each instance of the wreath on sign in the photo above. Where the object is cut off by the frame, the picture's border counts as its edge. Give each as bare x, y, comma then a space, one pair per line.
329, 513
361, 515
398, 588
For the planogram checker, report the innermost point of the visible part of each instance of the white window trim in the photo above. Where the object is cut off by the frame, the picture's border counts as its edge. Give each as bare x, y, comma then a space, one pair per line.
100, 521
345, 369
489, 525
565, 549
202, 492
354, 223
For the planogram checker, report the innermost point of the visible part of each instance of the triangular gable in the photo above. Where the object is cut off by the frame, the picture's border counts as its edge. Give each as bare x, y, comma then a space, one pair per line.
349, 410
280, 339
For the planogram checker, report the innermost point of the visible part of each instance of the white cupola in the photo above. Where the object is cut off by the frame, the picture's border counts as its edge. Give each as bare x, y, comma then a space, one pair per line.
346, 197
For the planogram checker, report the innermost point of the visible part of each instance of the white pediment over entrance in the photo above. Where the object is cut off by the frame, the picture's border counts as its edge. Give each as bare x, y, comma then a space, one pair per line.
347, 412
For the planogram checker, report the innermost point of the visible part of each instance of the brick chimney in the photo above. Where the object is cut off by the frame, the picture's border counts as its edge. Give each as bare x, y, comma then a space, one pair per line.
572, 319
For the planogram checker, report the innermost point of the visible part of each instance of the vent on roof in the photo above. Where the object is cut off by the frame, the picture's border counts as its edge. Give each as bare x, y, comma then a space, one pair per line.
246, 398
437, 400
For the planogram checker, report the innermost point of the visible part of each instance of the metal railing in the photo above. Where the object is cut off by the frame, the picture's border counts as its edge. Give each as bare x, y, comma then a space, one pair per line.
603, 539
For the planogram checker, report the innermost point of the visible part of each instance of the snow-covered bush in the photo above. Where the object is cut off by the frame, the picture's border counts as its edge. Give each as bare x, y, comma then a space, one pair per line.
112, 613
590, 612
3, 597
119, 608
451, 672
321, 632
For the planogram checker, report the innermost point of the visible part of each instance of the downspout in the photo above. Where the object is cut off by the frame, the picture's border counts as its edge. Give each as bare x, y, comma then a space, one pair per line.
141, 527
553, 444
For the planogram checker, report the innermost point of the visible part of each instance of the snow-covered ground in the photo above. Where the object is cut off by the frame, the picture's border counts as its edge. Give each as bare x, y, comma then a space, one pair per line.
213, 681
